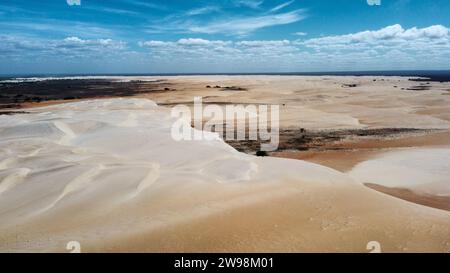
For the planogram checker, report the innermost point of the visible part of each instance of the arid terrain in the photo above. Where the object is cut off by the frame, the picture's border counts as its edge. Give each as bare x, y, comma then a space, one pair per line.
360, 159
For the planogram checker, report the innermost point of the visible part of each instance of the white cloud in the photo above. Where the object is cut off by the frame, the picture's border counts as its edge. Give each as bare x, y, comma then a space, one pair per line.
153, 43
201, 42
300, 33
388, 48
75, 40
74, 2
264, 43
61, 27
187, 42
391, 47
224, 50
229, 24
70, 46
203, 10
117, 11
254, 4
97, 44
281, 6
394, 35
146, 4
242, 26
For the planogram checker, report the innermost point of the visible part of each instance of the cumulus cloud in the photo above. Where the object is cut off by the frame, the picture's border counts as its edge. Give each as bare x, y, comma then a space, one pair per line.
392, 47
386, 39
68, 47
153, 43
224, 50
394, 35
184, 42
263, 43
96, 44
202, 42
73, 2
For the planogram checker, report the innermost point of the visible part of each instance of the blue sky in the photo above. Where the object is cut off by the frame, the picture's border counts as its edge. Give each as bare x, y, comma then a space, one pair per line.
180, 36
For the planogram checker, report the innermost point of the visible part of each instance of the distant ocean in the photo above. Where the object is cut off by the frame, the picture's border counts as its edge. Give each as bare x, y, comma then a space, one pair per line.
432, 75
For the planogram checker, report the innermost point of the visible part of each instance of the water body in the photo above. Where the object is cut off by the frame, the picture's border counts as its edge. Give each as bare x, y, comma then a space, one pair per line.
428, 75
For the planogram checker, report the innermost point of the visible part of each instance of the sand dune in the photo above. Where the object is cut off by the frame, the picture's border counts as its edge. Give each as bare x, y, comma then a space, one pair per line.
421, 170
107, 174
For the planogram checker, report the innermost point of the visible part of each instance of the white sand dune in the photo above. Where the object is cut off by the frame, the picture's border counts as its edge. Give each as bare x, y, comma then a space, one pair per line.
418, 169
108, 174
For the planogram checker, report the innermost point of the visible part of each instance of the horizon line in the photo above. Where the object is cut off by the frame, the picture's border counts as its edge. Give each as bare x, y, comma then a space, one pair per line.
347, 72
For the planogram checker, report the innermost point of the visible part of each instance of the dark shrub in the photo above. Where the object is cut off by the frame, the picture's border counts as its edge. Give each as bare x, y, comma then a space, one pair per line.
261, 153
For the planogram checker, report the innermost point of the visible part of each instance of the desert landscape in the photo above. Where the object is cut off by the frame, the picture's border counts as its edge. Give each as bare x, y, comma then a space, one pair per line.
91, 159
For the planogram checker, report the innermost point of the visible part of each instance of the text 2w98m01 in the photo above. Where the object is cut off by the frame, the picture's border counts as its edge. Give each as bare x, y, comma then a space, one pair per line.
245, 263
